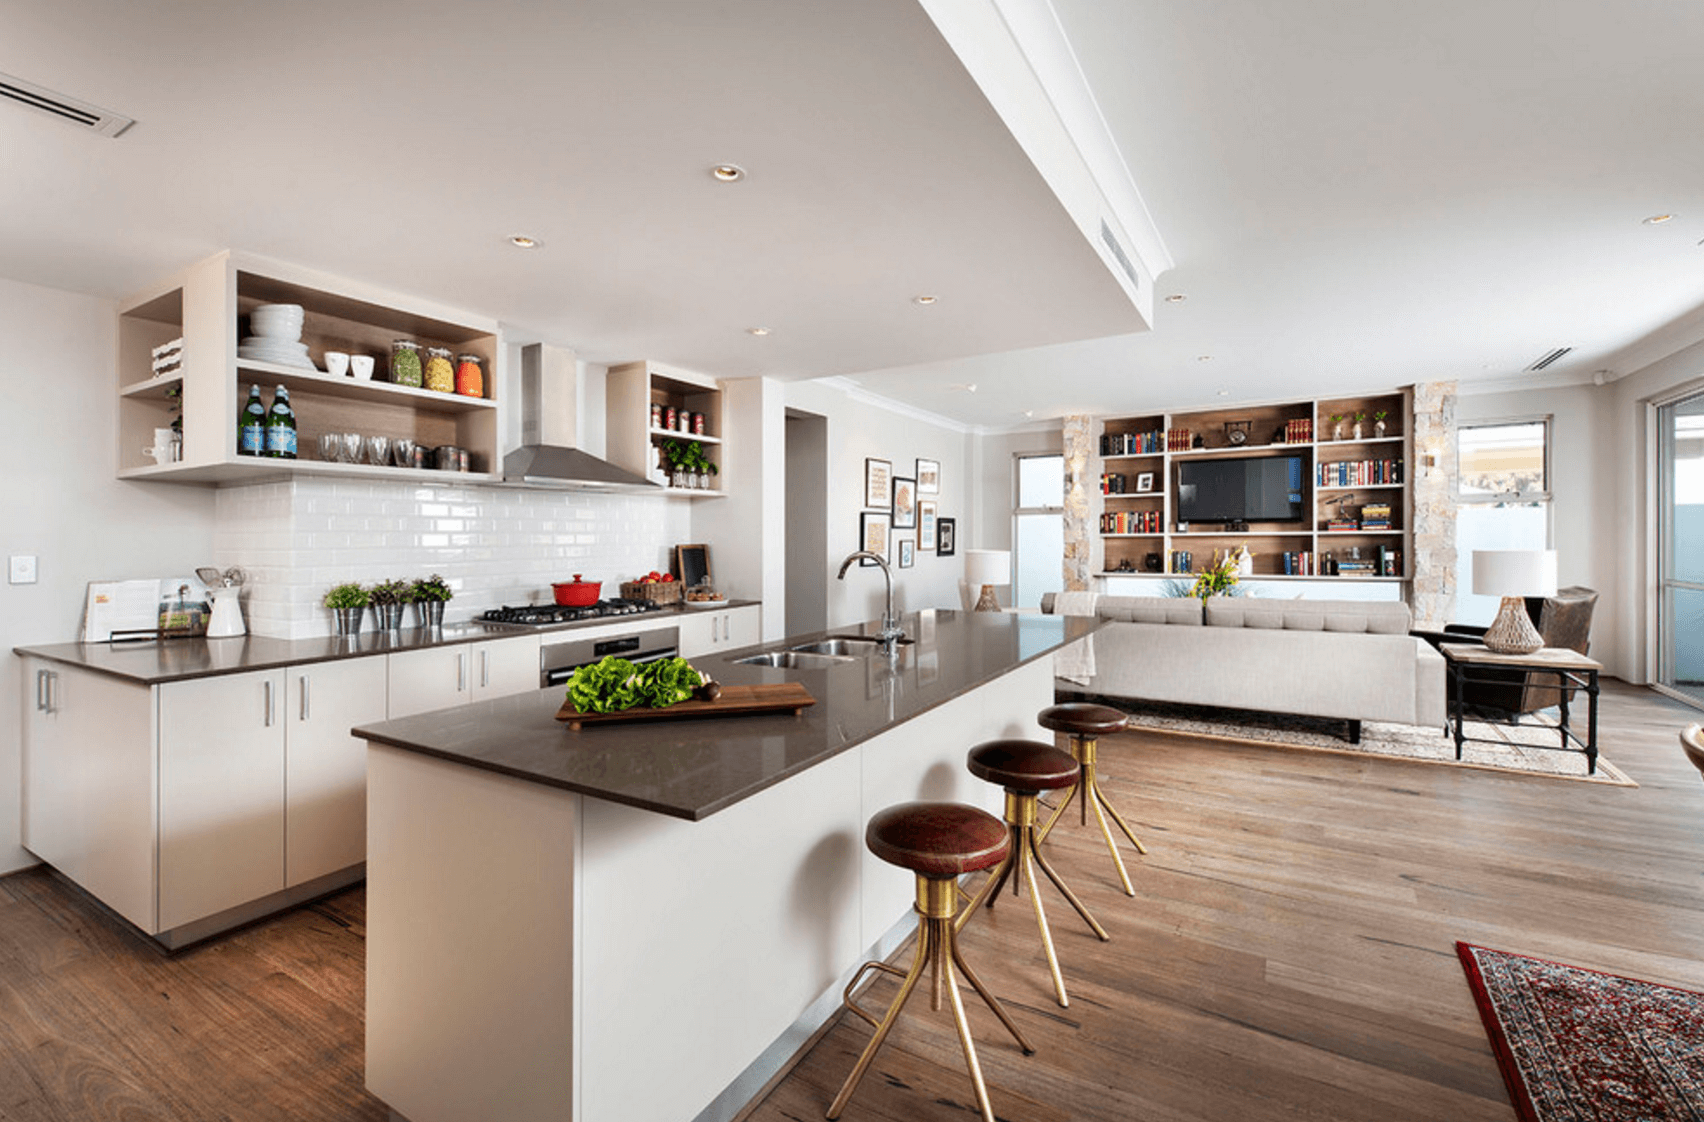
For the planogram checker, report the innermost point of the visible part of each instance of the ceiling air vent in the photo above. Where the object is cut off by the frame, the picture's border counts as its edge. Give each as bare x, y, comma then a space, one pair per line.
101, 122
1119, 254
1546, 360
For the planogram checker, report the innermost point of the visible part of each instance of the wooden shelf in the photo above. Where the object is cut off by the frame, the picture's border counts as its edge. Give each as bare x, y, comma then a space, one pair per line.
1240, 534
1232, 451
302, 380
254, 469
670, 434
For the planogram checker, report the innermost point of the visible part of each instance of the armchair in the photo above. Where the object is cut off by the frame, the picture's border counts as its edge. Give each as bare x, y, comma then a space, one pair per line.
1563, 620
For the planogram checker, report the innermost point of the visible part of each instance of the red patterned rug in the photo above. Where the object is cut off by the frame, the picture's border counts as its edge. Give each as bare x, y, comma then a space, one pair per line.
1579, 1046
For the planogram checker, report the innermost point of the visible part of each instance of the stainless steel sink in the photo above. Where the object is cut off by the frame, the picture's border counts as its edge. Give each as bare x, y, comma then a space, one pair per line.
796, 660
858, 646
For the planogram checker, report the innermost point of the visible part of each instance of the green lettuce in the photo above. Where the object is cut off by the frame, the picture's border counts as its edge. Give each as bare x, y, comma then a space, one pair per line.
615, 684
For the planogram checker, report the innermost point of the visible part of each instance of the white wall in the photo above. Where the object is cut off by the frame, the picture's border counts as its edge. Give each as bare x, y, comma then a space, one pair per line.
859, 428
1584, 458
62, 502
495, 545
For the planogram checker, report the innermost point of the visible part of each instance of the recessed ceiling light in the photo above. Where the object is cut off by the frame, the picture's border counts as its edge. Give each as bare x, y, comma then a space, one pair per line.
1203, 358
967, 387
521, 241
1224, 393
757, 331
924, 301
1176, 298
1658, 219
728, 173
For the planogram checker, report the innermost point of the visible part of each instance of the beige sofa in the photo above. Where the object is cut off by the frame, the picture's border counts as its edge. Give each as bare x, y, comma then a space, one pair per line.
1347, 659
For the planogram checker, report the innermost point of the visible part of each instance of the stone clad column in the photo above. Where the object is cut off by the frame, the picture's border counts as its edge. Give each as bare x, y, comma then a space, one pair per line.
1432, 594
1079, 545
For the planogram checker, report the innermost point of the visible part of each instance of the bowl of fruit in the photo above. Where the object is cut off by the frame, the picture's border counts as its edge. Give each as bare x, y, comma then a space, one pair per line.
658, 588
704, 596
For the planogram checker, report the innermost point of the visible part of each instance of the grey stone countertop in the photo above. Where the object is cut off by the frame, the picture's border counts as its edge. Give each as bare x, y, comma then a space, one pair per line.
151, 663
692, 768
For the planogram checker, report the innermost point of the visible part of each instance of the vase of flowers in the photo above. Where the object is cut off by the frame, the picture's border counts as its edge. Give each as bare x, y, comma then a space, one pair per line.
1379, 422
1217, 579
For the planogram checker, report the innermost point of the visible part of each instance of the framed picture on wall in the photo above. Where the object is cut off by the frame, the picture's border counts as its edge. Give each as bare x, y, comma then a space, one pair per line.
925, 524
928, 477
873, 533
904, 503
946, 536
907, 553
878, 484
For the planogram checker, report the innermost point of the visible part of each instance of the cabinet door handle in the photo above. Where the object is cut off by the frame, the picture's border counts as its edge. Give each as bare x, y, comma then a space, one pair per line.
266, 687
44, 690
715, 628
304, 697
484, 669
461, 673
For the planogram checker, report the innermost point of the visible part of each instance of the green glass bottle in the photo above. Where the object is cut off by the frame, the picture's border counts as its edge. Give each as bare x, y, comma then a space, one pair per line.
251, 425
281, 426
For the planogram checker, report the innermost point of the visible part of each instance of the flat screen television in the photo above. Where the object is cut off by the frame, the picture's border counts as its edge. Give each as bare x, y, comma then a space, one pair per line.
1261, 489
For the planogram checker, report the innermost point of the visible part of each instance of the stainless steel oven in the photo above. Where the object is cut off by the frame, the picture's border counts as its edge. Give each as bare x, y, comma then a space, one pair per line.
557, 661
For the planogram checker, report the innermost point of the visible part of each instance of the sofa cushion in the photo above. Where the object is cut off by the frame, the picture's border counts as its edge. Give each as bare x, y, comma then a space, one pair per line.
1184, 610
1378, 617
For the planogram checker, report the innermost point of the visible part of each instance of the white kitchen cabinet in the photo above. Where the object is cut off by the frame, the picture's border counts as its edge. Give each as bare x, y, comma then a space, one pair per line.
711, 631
447, 676
221, 794
89, 783
325, 769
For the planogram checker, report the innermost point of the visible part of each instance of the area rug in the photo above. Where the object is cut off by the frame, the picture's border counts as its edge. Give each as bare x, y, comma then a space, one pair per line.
1579, 1046
1517, 748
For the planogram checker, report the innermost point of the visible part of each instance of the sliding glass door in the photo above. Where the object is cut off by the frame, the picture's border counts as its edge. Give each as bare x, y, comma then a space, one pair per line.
1680, 467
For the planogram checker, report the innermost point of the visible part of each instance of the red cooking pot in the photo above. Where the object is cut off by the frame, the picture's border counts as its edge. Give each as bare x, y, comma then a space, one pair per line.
577, 593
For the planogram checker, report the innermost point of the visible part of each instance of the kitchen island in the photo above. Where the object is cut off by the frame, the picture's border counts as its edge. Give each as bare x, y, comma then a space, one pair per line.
646, 921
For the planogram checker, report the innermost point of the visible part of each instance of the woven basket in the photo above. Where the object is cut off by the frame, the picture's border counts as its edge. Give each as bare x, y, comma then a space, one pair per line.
658, 592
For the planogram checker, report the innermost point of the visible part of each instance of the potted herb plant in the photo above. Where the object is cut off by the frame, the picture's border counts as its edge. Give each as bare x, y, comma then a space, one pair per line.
692, 468
1379, 422
389, 597
347, 603
429, 597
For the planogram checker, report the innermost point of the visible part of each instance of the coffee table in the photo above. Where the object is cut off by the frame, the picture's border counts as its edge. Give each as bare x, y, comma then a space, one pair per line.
1465, 662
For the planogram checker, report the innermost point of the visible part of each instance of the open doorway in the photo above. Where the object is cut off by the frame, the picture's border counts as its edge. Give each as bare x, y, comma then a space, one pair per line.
1680, 482
806, 532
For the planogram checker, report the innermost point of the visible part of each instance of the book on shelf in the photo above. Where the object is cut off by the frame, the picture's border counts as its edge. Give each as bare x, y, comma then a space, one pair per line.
1298, 430
1132, 443
1299, 563
1341, 525
1177, 440
1359, 473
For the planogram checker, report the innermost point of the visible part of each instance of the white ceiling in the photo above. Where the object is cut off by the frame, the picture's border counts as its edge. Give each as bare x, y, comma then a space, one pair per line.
1355, 195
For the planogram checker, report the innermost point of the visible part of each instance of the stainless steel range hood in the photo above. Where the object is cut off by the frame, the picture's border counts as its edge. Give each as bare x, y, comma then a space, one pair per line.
548, 455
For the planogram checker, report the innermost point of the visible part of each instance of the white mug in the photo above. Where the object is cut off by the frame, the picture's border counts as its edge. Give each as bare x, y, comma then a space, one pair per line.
167, 446
336, 363
361, 366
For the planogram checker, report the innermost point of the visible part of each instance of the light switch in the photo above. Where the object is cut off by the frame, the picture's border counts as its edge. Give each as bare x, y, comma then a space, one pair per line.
23, 569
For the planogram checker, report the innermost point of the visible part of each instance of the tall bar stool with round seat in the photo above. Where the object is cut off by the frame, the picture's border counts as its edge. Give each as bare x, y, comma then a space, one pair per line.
1025, 768
938, 842
1084, 723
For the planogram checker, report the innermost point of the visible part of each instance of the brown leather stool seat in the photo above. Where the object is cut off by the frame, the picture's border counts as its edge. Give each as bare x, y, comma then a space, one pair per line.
1025, 768
1084, 722
938, 842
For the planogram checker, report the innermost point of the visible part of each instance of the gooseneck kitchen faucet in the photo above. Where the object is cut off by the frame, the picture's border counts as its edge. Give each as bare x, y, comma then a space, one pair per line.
891, 632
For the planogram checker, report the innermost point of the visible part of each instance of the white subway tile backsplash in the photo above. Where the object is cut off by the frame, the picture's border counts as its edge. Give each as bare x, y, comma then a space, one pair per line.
494, 545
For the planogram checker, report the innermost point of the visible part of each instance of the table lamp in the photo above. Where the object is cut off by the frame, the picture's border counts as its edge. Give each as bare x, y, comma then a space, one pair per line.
1513, 574
987, 567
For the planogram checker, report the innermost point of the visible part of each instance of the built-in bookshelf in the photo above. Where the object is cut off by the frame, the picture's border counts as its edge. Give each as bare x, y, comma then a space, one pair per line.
1345, 464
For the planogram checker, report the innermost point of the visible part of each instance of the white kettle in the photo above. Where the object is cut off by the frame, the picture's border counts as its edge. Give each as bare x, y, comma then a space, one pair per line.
227, 618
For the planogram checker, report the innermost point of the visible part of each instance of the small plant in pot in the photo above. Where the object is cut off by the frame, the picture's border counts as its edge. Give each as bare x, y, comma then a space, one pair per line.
429, 597
692, 468
389, 599
347, 602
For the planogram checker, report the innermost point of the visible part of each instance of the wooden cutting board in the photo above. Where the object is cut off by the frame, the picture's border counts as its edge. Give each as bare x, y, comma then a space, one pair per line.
735, 701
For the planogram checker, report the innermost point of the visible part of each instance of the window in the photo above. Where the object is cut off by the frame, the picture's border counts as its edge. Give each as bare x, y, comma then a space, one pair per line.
1038, 528
1502, 500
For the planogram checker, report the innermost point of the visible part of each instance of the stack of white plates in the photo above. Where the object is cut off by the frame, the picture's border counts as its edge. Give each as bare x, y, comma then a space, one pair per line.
277, 336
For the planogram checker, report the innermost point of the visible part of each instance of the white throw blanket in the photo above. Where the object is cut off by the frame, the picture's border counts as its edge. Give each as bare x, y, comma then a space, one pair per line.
1076, 663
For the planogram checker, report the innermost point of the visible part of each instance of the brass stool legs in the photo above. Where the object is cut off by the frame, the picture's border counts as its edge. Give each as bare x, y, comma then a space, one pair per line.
1024, 855
938, 951
1083, 747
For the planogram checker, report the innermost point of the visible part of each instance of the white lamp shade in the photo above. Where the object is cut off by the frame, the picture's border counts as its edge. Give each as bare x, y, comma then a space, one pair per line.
987, 566
1514, 572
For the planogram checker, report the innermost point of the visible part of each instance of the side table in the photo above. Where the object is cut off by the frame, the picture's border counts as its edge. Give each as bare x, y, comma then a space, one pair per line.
1465, 662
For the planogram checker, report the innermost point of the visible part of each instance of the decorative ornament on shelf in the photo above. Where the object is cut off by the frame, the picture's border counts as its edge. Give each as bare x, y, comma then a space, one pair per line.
1216, 579
987, 568
1236, 432
1513, 574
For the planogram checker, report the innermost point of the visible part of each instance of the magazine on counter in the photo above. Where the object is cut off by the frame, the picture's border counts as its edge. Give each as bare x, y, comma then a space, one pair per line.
163, 608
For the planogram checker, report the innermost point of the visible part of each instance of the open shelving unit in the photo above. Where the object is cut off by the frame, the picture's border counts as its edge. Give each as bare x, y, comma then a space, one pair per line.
209, 305
634, 443
1343, 472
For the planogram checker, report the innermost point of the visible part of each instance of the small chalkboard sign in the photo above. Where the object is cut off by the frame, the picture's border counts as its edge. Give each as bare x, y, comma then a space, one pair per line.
692, 565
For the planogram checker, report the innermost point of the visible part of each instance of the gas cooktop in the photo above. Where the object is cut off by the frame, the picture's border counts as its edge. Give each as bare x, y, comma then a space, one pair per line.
545, 615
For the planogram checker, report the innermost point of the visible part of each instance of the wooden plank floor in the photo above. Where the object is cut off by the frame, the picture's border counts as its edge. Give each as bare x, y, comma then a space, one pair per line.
1289, 955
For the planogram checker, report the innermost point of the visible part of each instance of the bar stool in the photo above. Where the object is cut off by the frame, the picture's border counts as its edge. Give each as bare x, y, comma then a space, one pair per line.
938, 842
1084, 722
1025, 768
